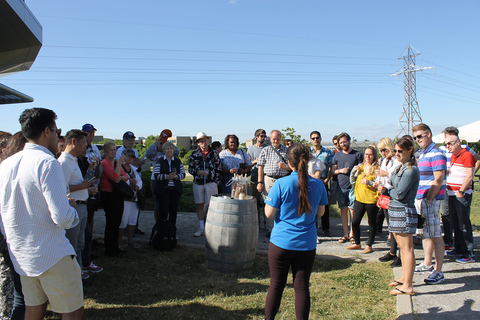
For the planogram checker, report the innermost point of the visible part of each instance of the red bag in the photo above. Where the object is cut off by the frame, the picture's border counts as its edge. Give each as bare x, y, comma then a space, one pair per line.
383, 201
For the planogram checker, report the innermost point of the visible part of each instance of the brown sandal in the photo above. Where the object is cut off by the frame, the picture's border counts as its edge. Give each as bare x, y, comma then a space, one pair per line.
343, 239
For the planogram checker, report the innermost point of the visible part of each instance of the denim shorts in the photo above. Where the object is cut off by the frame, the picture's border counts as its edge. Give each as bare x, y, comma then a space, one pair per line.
342, 197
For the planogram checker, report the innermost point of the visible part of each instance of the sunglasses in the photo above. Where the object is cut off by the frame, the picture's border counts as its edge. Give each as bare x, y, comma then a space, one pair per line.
384, 150
262, 136
315, 138
452, 143
420, 136
398, 151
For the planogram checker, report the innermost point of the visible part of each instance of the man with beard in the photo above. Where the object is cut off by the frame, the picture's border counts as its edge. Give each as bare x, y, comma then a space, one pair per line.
272, 165
343, 162
254, 152
35, 214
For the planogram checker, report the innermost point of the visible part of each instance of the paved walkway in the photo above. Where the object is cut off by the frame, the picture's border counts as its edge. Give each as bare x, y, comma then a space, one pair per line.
458, 296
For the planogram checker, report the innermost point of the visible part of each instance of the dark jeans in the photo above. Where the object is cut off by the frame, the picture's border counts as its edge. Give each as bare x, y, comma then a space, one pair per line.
459, 212
18, 310
382, 214
169, 201
447, 226
87, 249
359, 209
279, 262
113, 206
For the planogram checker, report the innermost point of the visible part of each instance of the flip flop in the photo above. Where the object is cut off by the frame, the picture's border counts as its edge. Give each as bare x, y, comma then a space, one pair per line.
395, 283
396, 292
343, 239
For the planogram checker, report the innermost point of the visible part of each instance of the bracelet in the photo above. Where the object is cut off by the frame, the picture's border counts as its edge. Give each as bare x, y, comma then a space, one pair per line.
260, 182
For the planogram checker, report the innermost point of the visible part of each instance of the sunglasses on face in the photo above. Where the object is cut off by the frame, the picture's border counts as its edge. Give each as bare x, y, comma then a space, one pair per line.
315, 138
420, 136
398, 151
450, 144
383, 150
262, 136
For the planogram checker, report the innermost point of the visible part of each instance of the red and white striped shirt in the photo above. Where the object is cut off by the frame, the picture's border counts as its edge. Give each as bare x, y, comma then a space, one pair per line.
457, 173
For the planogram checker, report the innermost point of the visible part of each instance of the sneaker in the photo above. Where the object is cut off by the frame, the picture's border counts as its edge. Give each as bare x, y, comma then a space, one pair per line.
465, 260
387, 257
199, 233
121, 248
449, 247
85, 276
134, 245
423, 268
453, 253
138, 231
435, 277
396, 263
92, 268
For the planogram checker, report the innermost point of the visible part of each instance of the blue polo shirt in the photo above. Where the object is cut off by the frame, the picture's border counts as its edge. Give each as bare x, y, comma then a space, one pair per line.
291, 231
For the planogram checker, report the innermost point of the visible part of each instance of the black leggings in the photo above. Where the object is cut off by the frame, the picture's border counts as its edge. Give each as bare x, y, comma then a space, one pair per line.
279, 261
359, 209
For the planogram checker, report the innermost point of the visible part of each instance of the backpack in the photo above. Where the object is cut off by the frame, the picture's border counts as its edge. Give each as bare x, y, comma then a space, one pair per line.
164, 236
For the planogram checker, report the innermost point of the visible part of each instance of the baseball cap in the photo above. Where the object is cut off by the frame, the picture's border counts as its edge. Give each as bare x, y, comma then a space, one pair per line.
128, 135
129, 153
87, 127
165, 134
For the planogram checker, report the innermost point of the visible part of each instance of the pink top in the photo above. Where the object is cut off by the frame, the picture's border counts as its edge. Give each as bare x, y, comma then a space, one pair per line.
108, 175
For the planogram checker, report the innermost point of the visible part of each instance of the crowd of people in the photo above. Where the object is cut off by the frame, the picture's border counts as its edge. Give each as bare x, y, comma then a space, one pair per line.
51, 186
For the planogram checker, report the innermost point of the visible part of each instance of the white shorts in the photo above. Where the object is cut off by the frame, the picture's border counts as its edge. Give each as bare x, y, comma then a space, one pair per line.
130, 214
202, 193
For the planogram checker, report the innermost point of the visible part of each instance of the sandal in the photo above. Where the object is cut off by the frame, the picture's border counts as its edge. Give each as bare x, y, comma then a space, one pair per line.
396, 292
343, 239
395, 283
352, 240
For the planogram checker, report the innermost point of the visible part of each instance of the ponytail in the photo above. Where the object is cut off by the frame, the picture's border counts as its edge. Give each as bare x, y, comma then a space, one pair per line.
299, 156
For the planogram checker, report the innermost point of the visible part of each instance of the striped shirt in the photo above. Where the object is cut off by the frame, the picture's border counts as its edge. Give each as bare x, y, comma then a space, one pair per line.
34, 210
457, 173
430, 160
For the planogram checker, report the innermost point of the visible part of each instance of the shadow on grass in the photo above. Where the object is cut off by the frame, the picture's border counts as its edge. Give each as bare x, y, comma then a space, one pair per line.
146, 277
195, 311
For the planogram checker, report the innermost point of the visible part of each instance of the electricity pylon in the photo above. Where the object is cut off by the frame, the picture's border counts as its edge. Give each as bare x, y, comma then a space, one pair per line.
410, 116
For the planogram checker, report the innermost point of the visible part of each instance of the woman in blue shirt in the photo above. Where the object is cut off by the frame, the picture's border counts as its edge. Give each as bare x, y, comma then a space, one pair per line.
295, 200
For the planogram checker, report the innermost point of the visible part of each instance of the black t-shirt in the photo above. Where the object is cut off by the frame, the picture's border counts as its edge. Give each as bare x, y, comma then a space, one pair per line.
344, 160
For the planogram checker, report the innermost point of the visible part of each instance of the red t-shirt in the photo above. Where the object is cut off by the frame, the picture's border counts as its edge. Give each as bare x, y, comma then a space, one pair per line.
457, 172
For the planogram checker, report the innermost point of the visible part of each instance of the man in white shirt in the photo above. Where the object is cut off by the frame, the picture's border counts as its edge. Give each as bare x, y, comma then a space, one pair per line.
35, 212
75, 145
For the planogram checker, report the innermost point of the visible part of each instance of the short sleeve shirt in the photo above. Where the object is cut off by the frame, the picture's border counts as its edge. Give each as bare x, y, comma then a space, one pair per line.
270, 159
430, 160
291, 231
326, 156
344, 160
457, 173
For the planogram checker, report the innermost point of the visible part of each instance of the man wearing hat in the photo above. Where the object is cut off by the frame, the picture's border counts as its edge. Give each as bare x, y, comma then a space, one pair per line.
204, 166
128, 142
155, 150
91, 148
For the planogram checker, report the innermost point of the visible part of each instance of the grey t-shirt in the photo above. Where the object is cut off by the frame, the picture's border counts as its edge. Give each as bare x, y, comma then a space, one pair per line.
254, 152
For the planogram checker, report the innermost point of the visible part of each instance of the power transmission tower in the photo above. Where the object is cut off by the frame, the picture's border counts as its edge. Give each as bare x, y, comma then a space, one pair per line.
410, 116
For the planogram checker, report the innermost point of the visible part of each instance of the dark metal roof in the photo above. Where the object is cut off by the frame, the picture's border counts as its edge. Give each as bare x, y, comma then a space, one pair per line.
9, 95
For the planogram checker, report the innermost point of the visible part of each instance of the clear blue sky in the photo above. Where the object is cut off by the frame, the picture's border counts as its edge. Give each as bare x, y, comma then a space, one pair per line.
224, 67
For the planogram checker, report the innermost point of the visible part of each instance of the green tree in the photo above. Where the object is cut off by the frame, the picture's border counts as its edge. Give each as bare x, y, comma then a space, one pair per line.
186, 157
183, 151
290, 133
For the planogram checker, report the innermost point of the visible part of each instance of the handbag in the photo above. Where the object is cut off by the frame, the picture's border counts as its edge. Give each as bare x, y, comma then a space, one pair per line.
123, 189
383, 201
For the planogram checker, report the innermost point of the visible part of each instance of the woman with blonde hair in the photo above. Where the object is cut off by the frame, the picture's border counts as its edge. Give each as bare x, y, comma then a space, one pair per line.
295, 201
366, 196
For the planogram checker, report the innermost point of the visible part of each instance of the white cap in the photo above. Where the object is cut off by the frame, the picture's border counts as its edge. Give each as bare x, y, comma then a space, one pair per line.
201, 135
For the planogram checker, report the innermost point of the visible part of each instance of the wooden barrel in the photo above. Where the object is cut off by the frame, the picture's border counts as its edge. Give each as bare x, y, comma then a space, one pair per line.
231, 233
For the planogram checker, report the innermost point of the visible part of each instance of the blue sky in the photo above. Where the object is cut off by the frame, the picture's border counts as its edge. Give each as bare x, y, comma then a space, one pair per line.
226, 67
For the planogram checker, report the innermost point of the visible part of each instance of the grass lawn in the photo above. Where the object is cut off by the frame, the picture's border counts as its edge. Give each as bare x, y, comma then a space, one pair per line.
145, 284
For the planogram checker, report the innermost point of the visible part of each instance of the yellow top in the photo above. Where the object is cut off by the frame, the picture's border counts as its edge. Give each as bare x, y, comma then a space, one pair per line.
363, 192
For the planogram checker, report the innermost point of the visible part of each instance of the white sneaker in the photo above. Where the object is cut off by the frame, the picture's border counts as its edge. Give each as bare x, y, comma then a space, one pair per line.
199, 233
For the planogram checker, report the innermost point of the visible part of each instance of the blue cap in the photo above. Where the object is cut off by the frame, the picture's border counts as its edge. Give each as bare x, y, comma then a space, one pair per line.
87, 127
128, 135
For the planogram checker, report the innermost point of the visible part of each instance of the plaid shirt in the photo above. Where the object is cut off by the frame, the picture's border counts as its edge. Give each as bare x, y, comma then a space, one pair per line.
270, 159
210, 163
326, 156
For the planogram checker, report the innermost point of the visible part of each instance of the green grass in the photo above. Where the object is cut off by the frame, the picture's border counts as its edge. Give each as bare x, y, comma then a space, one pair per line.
177, 285
475, 209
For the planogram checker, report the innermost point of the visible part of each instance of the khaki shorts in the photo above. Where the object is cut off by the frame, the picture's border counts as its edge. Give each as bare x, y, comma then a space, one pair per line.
203, 192
61, 286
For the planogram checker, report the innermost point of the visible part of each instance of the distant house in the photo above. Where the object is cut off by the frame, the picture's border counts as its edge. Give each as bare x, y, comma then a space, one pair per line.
187, 142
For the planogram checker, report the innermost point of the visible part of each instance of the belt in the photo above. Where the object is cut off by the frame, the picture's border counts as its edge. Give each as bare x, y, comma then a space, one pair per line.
80, 202
275, 177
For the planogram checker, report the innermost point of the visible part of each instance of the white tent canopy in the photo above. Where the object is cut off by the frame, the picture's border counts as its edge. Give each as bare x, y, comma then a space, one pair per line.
469, 132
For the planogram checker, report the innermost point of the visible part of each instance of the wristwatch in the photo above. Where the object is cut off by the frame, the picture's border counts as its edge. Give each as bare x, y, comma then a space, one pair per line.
461, 192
